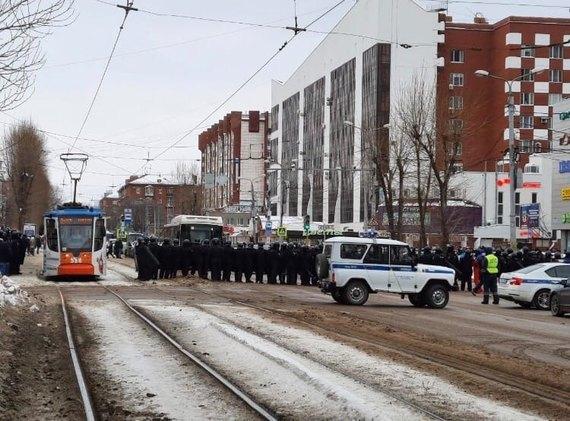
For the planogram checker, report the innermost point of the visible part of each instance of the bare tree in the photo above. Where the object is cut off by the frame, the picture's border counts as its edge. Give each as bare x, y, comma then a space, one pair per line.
414, 114
186, 172
28, 189
23, 24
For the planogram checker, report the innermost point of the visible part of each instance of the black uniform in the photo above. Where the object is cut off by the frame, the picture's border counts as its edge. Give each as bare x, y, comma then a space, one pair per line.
154, 249
186, 257
274, 264
291, 264
259, 263
227, 262
164, 259
249, 262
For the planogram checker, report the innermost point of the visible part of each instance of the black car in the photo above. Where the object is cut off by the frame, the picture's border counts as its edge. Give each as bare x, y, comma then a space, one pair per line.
560, 300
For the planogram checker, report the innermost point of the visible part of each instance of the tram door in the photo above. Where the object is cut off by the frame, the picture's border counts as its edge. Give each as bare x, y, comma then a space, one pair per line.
51, 247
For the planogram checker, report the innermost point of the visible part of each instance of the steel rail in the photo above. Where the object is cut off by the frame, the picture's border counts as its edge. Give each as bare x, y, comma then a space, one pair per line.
547, 393
83, 390
259, 409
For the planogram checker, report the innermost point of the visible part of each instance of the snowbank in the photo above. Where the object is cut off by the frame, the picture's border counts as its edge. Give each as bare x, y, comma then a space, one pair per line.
10, 292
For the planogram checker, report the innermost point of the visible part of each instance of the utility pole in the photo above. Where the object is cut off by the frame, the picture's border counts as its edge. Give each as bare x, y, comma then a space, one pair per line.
512, 149
512, 165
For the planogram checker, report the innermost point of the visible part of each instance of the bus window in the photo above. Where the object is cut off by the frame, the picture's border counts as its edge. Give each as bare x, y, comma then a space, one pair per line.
100, 232
51, 235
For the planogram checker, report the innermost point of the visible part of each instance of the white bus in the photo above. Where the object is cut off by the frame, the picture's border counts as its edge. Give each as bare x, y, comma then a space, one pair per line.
195, 228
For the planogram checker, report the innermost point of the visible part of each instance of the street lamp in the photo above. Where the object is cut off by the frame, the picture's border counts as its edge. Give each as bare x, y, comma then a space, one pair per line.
512, 158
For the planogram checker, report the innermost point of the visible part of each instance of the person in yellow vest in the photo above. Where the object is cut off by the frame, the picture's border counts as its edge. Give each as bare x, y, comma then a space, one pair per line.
490, 272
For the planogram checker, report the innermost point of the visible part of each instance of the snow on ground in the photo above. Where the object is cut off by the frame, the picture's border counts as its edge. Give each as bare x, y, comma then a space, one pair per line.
10, 292
342, 374
152, 375
290, 384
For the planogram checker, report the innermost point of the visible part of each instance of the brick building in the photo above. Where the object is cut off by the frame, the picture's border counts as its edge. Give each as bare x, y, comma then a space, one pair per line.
154, 201
509, 49
233, 156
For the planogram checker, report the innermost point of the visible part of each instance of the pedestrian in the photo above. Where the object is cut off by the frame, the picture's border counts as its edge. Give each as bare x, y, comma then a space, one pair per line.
38, 243
118, 248
490, 270
5, 256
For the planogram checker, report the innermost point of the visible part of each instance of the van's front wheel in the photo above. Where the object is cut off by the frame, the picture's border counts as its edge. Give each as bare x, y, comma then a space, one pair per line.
436, 296
338, 296
355, 293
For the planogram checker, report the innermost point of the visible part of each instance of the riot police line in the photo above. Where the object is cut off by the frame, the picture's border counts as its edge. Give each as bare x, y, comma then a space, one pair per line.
284, 263
13, 249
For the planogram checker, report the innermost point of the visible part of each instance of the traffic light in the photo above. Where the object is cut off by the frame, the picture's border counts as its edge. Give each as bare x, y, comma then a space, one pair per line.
307, 222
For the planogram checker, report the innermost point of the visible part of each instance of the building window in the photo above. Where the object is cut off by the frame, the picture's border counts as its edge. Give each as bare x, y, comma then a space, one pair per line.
556, 51
527, 75
517, 209
527, 122
527, 51
556, 76
527, 98
149, 191
456, 79
457, 167
554, 99
537, 147
500, 207
456, 103
138, 190
455, 125
534, 198
525, 146
457, 56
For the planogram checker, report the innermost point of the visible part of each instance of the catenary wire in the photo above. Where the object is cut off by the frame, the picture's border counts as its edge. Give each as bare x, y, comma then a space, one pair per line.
105, 70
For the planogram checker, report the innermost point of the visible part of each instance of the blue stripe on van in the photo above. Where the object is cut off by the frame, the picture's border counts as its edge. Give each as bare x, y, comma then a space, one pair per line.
397, 268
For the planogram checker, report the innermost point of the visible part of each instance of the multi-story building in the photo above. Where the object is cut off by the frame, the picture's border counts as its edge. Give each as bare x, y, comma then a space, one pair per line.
339, 101
153, 201
234, 161
508, 49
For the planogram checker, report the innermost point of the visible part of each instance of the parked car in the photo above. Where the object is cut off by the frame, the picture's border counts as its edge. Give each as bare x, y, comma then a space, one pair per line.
560, 299
533, 285
352, 268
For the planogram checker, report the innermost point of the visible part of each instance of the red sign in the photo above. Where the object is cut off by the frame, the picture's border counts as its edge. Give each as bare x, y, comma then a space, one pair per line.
531, 185
503, 181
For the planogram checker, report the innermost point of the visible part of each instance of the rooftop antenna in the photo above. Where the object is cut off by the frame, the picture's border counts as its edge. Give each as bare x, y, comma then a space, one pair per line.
75, 164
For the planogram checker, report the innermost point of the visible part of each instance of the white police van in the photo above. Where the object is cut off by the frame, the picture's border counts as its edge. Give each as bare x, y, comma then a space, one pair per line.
352, 268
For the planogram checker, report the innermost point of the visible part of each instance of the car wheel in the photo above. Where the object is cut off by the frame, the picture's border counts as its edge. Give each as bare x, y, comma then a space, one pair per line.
338, 296
555, 306
541, 300
355, 293
436, 296
417, 300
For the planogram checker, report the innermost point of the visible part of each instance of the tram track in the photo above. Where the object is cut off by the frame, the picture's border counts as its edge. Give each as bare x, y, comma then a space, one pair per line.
90, 413
220, 378
530, 388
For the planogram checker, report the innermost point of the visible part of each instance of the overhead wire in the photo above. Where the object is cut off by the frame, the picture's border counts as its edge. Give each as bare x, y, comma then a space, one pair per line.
105, 70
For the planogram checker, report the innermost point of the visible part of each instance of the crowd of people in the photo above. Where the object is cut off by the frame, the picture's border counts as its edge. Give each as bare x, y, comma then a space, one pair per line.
220, 261
483, 266
13, 249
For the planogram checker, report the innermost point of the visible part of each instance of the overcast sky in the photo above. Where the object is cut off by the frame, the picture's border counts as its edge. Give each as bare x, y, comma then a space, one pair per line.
169, 73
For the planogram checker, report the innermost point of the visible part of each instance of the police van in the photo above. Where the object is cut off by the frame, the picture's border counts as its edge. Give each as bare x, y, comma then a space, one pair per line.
352, 268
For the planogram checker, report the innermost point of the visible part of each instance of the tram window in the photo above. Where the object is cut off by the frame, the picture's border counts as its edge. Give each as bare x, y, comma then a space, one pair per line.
51, 234
99, 234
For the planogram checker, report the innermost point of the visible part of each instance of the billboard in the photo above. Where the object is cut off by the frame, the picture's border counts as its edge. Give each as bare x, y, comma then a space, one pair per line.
530, 216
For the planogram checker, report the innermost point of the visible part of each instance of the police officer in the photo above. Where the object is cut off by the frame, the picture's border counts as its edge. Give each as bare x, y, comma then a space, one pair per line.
490, 271
291, 264
228, 261
216, 260
205, 262
249, 262
185, 257
154, 249
146, 261
164, 259
274, 263
259, 263
239, 262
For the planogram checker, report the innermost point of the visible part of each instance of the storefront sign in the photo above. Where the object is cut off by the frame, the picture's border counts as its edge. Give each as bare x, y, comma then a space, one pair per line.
565, 193
565, 116
564, 166
566, 218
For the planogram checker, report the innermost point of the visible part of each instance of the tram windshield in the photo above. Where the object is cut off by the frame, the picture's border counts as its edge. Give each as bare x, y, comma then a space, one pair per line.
76, 234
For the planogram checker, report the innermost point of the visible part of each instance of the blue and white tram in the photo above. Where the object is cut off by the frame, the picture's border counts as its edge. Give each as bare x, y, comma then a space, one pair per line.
75, 242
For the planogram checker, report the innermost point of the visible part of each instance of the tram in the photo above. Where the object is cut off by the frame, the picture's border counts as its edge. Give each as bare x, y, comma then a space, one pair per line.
75, 242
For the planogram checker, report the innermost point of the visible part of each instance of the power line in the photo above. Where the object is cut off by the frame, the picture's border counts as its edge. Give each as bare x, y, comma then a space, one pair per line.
243, 84
498, 3
127, 9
